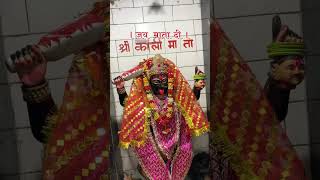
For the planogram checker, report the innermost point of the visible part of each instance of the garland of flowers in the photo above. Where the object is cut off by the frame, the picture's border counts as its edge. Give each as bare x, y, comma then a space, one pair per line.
161, 119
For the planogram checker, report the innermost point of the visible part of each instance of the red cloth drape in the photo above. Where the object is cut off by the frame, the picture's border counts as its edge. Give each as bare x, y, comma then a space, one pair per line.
244, 127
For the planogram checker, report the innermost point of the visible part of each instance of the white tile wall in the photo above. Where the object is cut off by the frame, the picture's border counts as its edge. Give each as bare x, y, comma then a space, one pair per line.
188, 72
172, 57
201, 26
57, 90
113, 49
313, 76
19, 106
186, 12
185, 27
114, 66
6, 106
47, 15
206, 57
30, 151
177, 2
114, 98
163, 14
3, 69
231, 8
13, 17
150, 28
311, 27
190, 59
31, 176
203, 42
113, 75
8, 152
127, 15
260, 70
122, 4
201, 1
203, 100
122, 31
299, 93
140, 3
126, 63
251, 35
297, 123
118, 110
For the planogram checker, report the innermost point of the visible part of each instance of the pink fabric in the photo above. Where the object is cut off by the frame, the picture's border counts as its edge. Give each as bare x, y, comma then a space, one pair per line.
177, 166
167, 142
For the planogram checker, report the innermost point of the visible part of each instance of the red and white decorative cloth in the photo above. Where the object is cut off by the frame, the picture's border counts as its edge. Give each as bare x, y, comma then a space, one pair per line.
79, 141
245, 131
161, 135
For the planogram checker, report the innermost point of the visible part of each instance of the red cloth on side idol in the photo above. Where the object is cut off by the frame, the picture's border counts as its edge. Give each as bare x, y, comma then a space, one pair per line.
244, 127
79, 141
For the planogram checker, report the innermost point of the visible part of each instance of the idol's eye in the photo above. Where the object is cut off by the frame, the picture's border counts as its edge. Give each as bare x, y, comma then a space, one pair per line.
156, 81
164, 80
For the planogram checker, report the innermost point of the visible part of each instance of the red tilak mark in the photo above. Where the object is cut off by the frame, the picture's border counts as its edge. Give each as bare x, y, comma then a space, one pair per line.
161, 91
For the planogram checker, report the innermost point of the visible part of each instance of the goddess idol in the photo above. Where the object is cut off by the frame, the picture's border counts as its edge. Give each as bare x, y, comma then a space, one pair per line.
160, 115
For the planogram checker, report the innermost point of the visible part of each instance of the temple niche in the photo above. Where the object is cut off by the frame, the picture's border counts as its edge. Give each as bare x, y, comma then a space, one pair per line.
163, 29
170, 31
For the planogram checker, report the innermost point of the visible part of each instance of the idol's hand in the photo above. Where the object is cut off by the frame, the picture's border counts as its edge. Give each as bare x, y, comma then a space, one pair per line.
31, 65
199, 78
119, 82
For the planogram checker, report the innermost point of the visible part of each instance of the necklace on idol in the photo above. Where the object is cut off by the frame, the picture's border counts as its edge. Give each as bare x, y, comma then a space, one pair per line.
166, 114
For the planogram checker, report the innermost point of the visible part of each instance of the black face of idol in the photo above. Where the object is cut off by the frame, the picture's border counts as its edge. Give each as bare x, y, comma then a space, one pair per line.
159, 85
